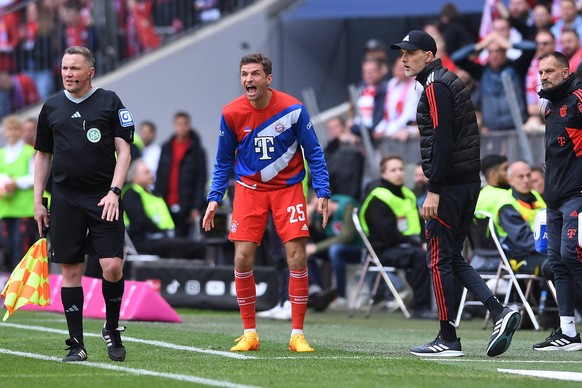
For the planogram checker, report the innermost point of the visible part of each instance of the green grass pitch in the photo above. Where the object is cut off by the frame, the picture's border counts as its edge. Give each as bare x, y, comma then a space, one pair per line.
350, 352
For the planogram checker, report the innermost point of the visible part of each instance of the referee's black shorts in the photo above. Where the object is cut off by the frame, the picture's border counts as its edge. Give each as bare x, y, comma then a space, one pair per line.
76, 227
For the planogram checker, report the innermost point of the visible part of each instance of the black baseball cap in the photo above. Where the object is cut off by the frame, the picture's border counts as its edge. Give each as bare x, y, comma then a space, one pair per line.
416, 40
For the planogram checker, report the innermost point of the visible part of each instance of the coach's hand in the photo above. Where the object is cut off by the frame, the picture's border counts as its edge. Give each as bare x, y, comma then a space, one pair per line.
208, 220
110, 204
430, 206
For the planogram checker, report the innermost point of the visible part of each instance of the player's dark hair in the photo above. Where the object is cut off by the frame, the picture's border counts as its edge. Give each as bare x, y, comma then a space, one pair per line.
84, 51
259, 58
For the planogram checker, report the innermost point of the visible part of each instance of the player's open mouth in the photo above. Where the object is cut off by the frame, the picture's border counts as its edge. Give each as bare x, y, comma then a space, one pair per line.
251, 89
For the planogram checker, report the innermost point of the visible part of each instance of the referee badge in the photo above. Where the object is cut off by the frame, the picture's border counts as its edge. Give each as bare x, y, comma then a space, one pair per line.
94, 135
125, 118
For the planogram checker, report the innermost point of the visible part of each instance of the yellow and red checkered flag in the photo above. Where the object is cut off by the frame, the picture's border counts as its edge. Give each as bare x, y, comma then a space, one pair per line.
29, 282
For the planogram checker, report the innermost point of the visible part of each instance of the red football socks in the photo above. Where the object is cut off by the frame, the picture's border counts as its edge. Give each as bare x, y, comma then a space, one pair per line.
298, 294
246, 294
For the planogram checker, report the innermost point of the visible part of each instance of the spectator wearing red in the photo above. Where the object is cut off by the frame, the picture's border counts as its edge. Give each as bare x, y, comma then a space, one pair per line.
570, 43
141, 34
9, 37
78, 28
36, 51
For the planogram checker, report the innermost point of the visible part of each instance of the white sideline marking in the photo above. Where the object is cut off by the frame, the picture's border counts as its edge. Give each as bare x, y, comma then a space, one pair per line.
548, 374
161, 344
143, 372
499, 360
380, 357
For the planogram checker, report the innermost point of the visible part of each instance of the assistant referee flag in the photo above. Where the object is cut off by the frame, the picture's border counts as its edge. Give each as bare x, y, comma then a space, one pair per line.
29, 282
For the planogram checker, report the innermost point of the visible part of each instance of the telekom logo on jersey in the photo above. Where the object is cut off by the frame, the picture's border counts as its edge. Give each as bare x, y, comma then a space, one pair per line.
264, 145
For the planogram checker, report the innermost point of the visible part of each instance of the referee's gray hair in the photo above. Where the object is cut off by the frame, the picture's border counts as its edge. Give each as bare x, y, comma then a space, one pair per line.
84, 51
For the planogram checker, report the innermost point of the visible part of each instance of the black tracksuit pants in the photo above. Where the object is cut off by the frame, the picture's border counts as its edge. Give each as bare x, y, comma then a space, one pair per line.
445, 237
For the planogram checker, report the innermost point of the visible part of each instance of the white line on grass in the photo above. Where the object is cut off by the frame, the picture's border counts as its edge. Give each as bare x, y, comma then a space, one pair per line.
499, 360
548, 374
142, 372
161, 344
437, 359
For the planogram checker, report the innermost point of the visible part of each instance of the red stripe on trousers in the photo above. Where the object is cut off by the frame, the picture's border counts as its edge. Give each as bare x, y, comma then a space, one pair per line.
437, 280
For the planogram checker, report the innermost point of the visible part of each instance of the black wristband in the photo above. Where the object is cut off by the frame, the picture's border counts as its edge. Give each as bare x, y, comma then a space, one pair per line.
116, 190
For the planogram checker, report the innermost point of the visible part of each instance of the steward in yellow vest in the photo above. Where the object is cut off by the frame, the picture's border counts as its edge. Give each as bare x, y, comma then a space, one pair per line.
16, 192
514, 219
494, 169
391, 221
148, 219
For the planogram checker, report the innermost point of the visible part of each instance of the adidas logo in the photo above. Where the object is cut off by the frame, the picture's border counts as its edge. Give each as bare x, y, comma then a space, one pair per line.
72, 309
304, 227
76, 115
406, 38
574, 214
247, 129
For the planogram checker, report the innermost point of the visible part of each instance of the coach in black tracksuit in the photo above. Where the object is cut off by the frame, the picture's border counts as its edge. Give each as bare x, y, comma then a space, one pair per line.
449, 142
563, 191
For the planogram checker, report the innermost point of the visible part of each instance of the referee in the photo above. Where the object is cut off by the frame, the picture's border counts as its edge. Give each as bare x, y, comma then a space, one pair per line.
84, 134
449, 147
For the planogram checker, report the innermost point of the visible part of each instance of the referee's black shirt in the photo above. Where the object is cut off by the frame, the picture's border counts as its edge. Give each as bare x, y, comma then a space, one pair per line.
80, 134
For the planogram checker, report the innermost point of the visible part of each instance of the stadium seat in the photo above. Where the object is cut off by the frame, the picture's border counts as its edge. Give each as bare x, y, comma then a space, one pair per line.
372, 264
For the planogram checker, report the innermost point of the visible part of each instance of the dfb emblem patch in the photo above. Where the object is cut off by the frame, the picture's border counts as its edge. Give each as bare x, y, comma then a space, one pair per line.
94, 135
563, 110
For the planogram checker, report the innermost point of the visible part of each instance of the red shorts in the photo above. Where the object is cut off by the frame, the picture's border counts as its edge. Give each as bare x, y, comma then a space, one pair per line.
251, 212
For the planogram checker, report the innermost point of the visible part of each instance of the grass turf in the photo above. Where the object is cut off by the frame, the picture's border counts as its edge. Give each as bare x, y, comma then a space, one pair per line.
356, 352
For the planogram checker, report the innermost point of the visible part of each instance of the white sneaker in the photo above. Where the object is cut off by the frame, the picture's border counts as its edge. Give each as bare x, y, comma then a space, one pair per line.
284, 313
314, 289
392, 305
339, 304
269, 313
502, 286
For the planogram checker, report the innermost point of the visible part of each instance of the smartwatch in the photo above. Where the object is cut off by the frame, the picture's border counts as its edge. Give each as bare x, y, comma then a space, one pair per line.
116, 190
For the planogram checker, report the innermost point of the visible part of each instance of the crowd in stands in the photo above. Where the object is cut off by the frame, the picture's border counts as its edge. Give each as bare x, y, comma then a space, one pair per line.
385, 113
34, 33
169, 181
506, 47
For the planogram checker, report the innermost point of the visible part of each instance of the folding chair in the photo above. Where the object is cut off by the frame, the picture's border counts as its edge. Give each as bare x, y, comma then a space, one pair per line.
505, 271
482, 248
372, 264
132, 254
